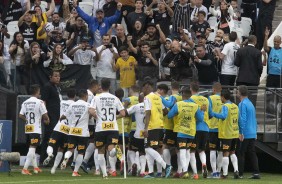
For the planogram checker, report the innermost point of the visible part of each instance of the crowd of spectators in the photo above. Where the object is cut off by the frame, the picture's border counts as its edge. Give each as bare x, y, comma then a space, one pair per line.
129, 40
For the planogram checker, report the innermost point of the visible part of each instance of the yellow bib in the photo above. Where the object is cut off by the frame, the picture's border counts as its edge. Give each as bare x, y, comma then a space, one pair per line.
216, 107
228, 128
168, 123
201, 100
44, 21
157, 118
133, 101
186, 121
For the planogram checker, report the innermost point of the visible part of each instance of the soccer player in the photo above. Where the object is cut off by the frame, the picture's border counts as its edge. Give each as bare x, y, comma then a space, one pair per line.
78, 115
106, 130
92, 90
170, 136
137, 141
215, 106
228, 132
202, 132
186, 113
32, 111
153, 132
128, 102
248, 133
60, 134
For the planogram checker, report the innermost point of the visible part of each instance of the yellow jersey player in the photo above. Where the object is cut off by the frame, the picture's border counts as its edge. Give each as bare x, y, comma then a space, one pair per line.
228, 132
31, 112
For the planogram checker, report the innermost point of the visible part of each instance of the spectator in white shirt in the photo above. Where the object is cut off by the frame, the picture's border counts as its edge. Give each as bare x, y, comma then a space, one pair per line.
199, 7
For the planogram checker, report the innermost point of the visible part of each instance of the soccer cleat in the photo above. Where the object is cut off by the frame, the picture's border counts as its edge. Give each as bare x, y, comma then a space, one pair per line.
97, 172
64, 164
195, 176
177, 175
72, 166
224, 176
114, 174
205, 171
142, 175
134, 169
26, 172
37, 170
75, 174
215, 175
83, 166
105, 177
121, 167
119, 153
255, 176
168, 170
236, 175
53, 170
184, 175
148, 176
47, 160
159, 175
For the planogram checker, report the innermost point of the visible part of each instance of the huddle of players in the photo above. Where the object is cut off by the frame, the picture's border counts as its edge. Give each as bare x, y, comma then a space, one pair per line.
184, 122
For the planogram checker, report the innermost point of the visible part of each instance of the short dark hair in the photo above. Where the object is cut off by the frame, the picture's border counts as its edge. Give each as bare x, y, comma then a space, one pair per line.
233, 36
105, 84
122, 48
252, 39
71, 93
77, 17
194, 86
217, 86
163, 87
202, 46
145, 43
52, 72
119, 93
148, 82
175, 85
33, 89
243, 90
186, 92
82, 93
135, 88
226, 94
55, 13
106, 35
202, 12
92, 83
139, 0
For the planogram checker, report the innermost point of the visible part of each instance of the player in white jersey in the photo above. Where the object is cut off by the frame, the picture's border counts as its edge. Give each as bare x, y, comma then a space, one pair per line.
137, 142
60, 133
93, 87
106, 130
78, 115
31, 112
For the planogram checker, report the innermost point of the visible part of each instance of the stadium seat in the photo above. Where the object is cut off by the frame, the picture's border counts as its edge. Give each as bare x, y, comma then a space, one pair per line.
13, 26
245, 25
44, 4
213, 21
8, 41
87, 7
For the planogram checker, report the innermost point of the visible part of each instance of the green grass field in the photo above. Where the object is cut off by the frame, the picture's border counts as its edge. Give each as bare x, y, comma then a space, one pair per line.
65, 177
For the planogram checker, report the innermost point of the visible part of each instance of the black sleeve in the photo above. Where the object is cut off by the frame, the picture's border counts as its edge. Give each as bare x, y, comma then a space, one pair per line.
237, 61
259, 59
166, 60
184, 59
45, 92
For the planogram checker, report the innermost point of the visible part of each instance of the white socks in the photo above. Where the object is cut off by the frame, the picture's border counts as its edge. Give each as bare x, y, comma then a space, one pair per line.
143, 164
219, 160
179, 167
58, 159
113, 152
159, 168
78, 162
183, 159
102, 163
203, 157
75, 153
49, 151
156, 156
193, 162
167, 156
234, 161
213, 160
68, 154
137, 160
29, 157
113, 161
188, 157
96, 159
88, 153
225, 163
132, 156
150, 162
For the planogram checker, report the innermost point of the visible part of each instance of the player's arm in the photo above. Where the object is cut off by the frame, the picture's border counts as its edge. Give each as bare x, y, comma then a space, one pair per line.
130, 110
223, 114
170, 102
122, 113
210, 107
173, 112
22, 117
242, 117
92, 112
126, 103
199, 115
46, 119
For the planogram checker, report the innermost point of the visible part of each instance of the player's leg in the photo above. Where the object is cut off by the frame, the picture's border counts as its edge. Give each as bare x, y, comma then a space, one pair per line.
50, 149
81, 147
62, 143
112, 141
179, 166
233, 158
203, 138
72, 142
90, 148
139, 143
213, 148
36, 140
30, 154
100, 143
225, 148
182, 147
193, 161
132, 156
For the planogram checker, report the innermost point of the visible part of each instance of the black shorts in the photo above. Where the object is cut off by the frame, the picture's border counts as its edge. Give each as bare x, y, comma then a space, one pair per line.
200, 141
33, 139
105, 138
58, 139
170, 137
137, 145
213, 141
91, 131
183, 143
126, 140
79, 142
227, 145
155, 139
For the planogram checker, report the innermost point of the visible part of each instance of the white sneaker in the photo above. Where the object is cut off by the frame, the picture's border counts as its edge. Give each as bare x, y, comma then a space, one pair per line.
64, 164
53, 170
97, 172
47, 160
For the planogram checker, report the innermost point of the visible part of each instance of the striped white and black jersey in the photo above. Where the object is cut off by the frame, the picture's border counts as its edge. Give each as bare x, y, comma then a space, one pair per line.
181, 17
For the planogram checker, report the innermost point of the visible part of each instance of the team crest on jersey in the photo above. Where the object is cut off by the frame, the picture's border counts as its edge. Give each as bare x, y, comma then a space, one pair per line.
98, 144
154, 143
53, 141
114, 141
80, 147
225, 147
182, 145
34, 141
